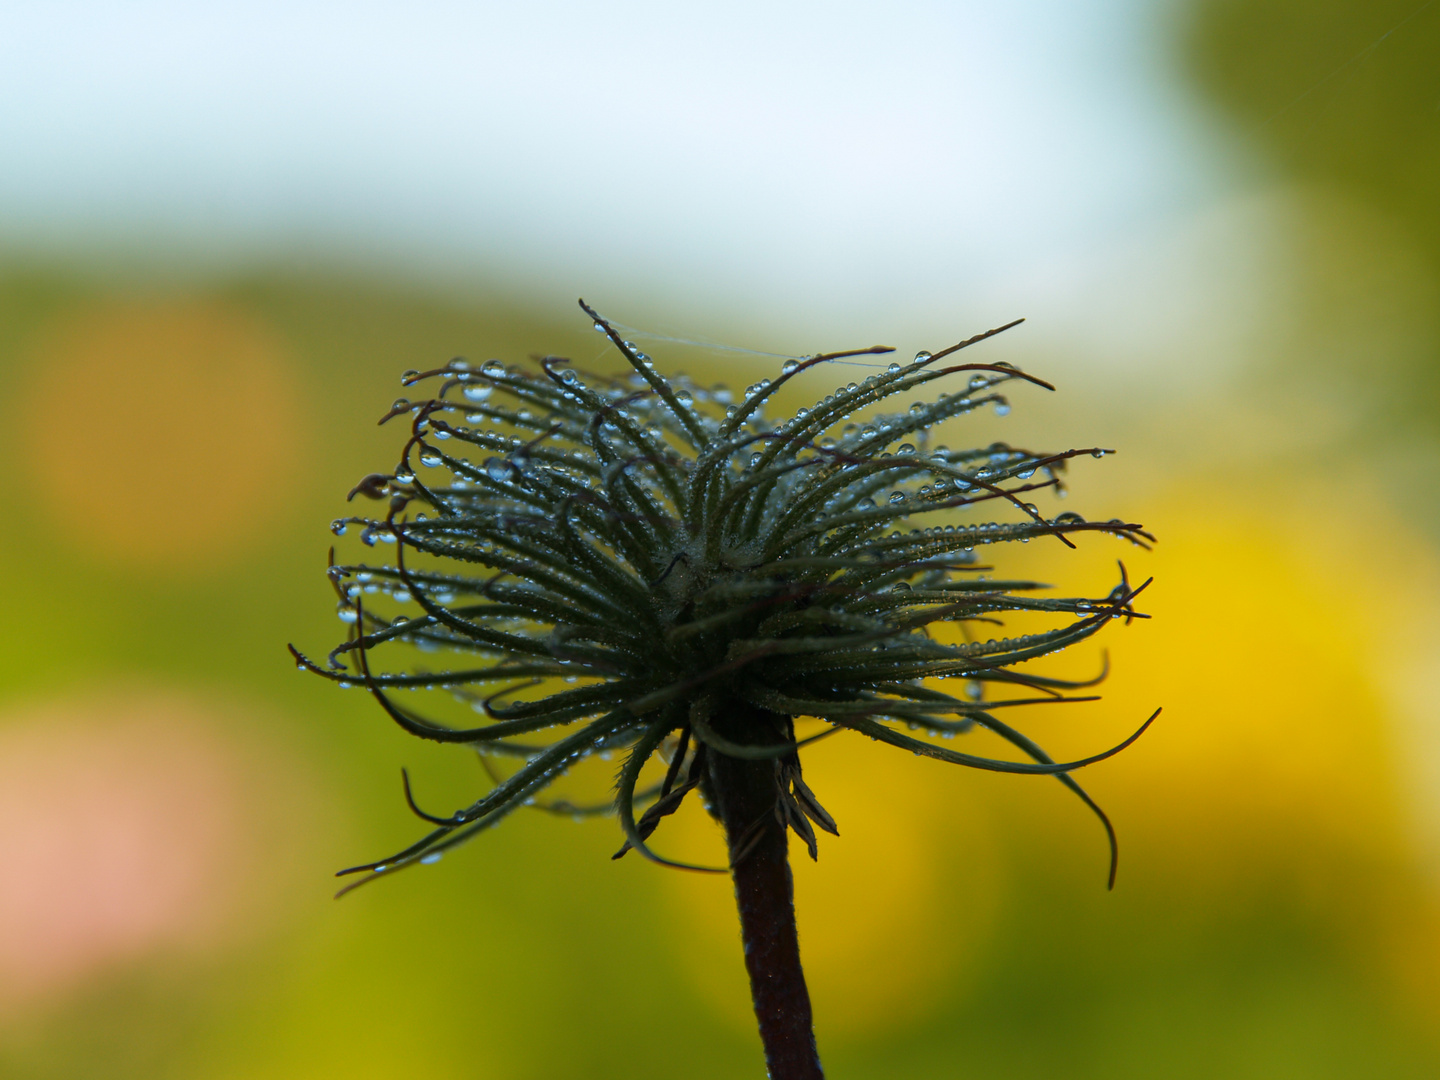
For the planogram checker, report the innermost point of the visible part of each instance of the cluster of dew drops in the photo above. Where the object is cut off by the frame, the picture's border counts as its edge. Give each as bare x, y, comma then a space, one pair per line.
1000, 460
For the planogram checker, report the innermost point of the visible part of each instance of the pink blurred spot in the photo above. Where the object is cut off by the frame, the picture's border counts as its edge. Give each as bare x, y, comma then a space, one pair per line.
120, 832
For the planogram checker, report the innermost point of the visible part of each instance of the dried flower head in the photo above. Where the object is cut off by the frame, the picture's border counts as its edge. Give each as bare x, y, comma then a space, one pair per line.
644, 565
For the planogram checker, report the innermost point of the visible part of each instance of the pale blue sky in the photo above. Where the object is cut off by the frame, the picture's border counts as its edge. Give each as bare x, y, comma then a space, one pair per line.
799, 161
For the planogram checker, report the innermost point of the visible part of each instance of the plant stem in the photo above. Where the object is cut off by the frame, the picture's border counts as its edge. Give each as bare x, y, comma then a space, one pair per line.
744, 793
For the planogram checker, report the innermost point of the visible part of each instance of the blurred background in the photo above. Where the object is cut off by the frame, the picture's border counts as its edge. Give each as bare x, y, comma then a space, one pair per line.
224, 232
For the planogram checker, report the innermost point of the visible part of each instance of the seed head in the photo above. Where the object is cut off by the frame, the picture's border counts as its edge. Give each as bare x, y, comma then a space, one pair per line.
642, 565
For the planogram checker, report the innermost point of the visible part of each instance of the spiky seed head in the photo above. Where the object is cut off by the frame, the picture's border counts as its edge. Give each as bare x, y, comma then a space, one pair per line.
634, 562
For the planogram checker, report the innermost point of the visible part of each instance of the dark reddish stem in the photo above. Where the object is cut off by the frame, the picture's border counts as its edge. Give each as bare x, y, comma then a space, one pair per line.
744, 794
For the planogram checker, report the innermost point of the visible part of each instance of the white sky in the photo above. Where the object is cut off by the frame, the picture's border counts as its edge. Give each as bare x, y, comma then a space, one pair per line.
800, 162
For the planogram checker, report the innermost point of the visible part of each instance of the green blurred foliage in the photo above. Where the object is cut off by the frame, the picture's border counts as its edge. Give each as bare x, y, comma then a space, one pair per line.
1239, 942
1343, 97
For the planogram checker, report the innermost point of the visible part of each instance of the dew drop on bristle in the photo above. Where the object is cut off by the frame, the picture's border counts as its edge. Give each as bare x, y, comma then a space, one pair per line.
922, 356
789, 366
492, 368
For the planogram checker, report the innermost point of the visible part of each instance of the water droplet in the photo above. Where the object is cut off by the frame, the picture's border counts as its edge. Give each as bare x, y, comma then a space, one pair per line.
1002, 408
407, 377
338, 526
400, 404
897, 496
476, 391
755, 460
492, 368
404, 475
497, 468
789, 366
432, 858
429, 459
459, 364
346, 614
906, 448
922, 356
893, 368
599, 327
1097, 453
